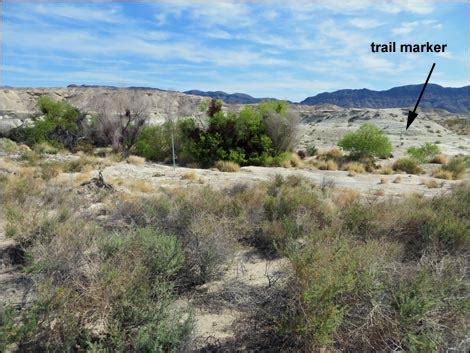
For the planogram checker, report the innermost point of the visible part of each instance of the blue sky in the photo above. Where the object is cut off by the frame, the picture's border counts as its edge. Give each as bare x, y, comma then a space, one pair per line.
283, 49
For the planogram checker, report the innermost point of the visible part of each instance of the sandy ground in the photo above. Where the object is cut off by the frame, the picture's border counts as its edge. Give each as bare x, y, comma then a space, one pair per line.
164, 176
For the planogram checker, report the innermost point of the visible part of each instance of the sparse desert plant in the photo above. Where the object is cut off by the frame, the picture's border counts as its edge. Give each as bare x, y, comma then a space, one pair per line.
442, 174
424, 153
440, 159
136, 160
386, 170
83, 163
327, 165
431, 183
367, 141
141, 185
457, 166
45, 148
50, 170
333, 153
354, 167
85, 147
227, 166
288, 160
312, 150
408, 165
30, 157
190, 175
397, 180
8, 146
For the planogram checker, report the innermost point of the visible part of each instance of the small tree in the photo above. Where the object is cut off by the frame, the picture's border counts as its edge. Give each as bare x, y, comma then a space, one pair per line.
367, 141
120, 119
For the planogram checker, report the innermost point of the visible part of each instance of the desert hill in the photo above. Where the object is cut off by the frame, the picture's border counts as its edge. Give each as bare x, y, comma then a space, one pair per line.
455, 100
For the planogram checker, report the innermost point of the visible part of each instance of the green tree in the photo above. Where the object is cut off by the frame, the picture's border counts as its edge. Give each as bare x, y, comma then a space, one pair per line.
58, 125
367, 141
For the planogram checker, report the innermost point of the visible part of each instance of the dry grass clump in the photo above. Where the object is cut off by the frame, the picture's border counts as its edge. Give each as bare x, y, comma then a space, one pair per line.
440, 159
227, 166
354, 167
191, 175
45, 148
454, 169
346, 197
82, 177
141, 185
30, 158
442, 174
333, 153
326, 165
386, 170
82, 164
407, 165
50, 169
431, 183
289, 160
9, 146
135, 160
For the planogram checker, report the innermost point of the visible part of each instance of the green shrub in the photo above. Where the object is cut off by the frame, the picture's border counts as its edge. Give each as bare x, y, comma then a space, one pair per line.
161, 254
424, 153
367, 141
408, 165
393, 269
254, 136
154, 143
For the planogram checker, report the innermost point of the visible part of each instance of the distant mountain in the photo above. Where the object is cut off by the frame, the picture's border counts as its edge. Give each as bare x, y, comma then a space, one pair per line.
454, 100
229, 98
114, 87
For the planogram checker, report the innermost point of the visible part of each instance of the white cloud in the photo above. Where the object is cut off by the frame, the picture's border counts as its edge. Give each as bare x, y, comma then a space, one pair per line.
408, 27
80, 13
405, 28
364, 23
220, 34
446, 55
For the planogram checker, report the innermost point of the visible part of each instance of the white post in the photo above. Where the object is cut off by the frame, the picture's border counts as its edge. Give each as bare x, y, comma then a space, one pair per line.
173, 145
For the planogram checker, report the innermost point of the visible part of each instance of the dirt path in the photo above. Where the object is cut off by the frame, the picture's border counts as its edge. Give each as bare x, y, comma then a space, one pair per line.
15, 287
227, 308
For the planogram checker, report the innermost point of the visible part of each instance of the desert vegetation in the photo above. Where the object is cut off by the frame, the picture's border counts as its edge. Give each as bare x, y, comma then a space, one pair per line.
367, 141
262, 135
365, 274
123, 263
424, 153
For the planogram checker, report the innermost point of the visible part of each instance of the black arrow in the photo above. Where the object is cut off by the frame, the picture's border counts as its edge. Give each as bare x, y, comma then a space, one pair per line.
412, 114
